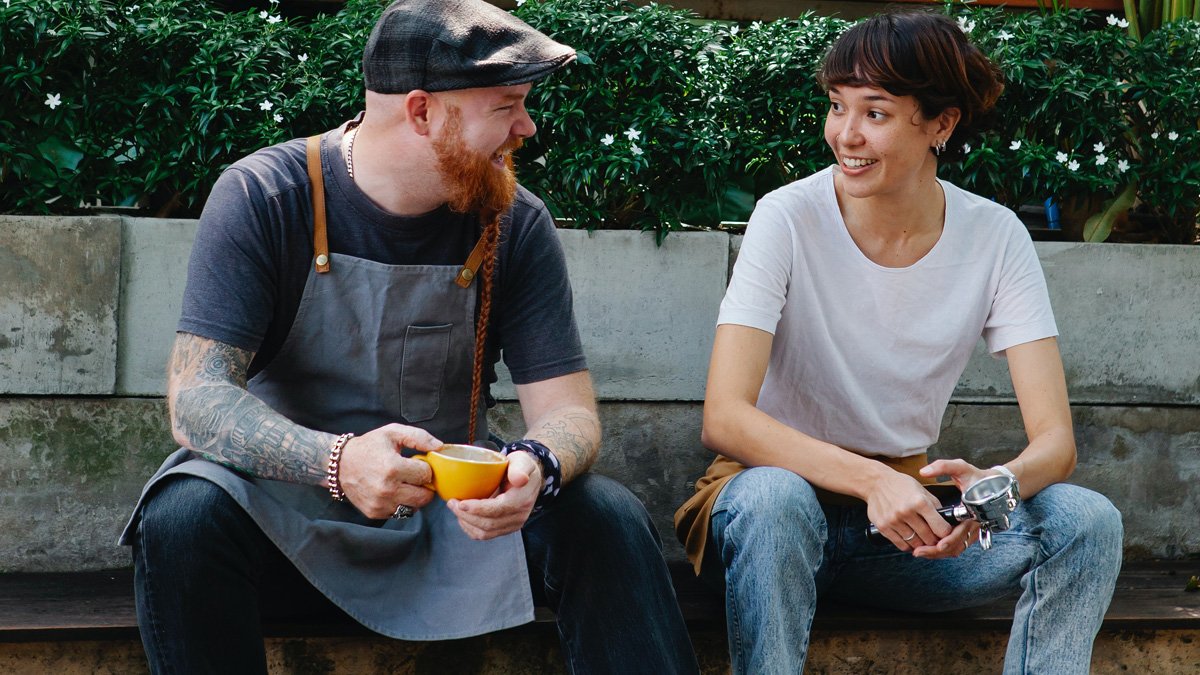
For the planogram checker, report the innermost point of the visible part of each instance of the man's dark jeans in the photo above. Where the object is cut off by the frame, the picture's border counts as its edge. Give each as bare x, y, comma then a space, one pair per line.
202, 566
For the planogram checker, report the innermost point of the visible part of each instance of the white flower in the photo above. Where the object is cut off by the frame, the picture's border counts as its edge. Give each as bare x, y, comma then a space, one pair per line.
520, 2
632, 134
53, 100
966, 148
1122, 166
1101, 160
1004, 35
302, 58
1015, 145
635, 149
1172, 136
1123, 23
1099, 148
274, 19
966, 24
1061, 157
265, 105
1111, 19
607, 140
278, 117
1154, 135
263, 14
1073, 165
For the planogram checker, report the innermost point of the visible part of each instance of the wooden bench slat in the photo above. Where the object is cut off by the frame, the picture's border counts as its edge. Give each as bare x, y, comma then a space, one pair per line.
100, 605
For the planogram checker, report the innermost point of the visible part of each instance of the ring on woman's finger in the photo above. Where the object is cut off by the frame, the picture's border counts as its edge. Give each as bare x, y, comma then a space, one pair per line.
403, 511
909, 537
966, 542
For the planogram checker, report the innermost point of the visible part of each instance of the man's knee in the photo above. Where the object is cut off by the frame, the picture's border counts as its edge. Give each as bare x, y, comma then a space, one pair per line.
183, 515
596, 506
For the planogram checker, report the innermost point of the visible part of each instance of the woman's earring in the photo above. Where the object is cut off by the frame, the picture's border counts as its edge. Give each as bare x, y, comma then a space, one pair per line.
939, 147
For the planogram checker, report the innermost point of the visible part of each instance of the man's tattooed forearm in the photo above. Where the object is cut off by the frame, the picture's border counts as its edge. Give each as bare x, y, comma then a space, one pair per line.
212, 414
574, 436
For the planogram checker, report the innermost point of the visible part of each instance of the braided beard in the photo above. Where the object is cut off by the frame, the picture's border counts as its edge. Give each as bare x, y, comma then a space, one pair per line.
474, 183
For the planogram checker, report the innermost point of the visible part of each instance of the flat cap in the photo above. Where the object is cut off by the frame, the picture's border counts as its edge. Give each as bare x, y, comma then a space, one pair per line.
438, 45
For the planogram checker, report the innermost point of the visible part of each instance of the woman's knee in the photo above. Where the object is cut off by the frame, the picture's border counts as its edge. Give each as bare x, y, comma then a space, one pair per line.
772, 512
1081, 515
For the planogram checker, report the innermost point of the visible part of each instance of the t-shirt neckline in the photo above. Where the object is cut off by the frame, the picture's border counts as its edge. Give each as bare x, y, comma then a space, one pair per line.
848, 241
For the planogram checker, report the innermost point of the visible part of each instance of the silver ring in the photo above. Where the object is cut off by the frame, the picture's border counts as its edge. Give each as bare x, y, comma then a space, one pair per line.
966, 542
403, 511
909, 537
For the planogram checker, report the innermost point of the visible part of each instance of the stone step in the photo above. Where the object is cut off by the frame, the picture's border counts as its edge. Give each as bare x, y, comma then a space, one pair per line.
85, 623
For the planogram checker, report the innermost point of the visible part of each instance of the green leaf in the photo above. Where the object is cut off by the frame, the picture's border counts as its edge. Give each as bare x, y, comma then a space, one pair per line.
1097, 227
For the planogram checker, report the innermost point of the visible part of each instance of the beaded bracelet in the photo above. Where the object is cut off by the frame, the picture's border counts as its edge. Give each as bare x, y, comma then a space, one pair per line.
335, 460
551, 469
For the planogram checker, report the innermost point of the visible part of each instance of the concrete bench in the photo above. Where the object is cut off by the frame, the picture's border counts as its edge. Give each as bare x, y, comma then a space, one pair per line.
87, 313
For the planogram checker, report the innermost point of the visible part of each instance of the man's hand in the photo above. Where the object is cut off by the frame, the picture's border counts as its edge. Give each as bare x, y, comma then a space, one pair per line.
377, 478
507, 510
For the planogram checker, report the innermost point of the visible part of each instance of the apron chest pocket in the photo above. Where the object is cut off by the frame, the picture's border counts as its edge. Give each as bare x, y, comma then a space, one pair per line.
421, 371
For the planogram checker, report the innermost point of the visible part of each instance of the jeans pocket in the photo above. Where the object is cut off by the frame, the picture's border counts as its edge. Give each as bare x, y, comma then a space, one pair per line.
422, 370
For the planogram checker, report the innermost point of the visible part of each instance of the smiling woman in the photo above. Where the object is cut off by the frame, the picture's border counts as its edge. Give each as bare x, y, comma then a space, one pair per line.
857, 298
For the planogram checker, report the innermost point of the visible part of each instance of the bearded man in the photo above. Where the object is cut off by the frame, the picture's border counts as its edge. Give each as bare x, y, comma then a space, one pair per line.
348, 298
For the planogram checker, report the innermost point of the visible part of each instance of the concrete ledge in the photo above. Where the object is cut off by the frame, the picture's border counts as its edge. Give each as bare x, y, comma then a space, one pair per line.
646, 314
1129, 320
154, 258
58, 304
74, 469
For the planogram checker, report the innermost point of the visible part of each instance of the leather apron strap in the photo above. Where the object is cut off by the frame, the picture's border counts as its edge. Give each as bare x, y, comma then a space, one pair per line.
320, 238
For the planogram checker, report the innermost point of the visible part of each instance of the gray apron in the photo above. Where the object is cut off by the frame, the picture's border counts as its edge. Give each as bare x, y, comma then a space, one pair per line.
374, 344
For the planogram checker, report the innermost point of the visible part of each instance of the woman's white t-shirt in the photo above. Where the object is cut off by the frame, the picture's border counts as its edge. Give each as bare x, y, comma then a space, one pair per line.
865, 356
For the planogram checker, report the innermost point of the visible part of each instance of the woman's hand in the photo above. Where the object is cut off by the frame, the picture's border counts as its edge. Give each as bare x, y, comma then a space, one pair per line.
906, 513
960, 471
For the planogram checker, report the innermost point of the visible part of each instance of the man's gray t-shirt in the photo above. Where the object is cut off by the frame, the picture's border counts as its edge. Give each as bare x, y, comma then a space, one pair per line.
254, 248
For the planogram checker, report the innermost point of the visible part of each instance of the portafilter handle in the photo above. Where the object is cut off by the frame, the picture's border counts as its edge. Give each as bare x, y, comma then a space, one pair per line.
951, 514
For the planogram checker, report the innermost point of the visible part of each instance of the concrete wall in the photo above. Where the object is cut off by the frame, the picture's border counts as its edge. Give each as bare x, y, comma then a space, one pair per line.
88, 308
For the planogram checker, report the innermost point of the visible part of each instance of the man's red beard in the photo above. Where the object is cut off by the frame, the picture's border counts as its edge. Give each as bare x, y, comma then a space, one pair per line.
474, 183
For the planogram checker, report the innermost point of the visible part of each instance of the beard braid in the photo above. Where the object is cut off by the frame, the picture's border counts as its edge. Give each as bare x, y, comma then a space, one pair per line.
474, 184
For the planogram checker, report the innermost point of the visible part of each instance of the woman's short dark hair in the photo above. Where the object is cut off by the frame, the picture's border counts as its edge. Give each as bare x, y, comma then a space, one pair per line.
919, 54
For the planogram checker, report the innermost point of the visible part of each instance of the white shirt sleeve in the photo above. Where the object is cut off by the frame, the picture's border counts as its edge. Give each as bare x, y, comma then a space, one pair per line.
759, 284
1021, 310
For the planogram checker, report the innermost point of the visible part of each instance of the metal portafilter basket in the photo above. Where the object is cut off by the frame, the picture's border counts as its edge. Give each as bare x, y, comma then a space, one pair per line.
989, 501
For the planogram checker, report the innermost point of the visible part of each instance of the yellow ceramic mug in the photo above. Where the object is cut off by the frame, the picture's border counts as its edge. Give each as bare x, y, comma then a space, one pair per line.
465, 471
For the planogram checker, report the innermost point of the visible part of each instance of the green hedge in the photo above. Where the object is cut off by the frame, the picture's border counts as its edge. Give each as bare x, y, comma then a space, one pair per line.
665, 119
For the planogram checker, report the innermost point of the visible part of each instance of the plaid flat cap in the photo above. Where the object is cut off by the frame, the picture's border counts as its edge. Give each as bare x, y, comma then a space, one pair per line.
438, 45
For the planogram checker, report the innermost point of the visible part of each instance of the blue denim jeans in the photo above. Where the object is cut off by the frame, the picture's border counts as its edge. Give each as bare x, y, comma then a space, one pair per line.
774, 549
202, 569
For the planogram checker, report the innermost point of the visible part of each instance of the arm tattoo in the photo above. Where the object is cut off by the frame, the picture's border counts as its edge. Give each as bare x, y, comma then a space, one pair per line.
574, 437
213, 415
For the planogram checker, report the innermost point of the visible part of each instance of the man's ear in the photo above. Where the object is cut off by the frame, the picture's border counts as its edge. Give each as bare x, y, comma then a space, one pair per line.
418, 105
